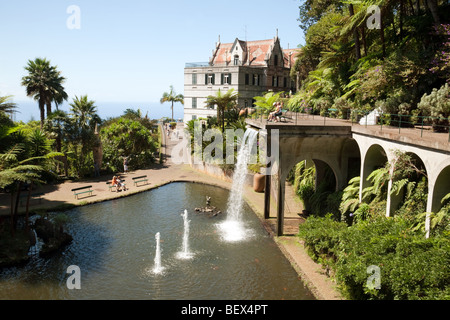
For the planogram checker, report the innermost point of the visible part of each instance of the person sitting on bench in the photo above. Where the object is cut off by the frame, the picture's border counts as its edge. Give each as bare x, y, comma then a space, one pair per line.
276, 113
116, 182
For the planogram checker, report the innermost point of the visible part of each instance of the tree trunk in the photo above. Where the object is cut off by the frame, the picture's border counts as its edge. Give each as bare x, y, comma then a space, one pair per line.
172, 110
49, 107
356, 36
401, 19
432, 5
27, 208
42, 111
16, 208
12, 213
383, 46
411, 6
363, 38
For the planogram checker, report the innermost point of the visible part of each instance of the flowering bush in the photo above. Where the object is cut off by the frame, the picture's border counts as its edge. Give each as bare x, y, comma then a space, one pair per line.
441, 61
437, 105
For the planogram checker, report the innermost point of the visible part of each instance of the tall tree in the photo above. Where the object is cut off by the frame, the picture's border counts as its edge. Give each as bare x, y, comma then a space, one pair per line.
45, 84
172, 97
80, 132
6, 105
223, 102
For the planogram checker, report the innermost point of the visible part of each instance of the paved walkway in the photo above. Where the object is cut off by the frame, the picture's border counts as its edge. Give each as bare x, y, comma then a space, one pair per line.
160, 174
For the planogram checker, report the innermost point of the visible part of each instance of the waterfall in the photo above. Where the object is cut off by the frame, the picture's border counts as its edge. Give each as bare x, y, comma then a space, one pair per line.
233, 227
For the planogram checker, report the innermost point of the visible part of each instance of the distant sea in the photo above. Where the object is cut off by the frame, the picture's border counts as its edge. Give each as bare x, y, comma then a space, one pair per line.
29, 110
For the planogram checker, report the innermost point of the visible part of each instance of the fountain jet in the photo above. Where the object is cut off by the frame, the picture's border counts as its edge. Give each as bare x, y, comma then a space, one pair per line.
185, 254
158, 268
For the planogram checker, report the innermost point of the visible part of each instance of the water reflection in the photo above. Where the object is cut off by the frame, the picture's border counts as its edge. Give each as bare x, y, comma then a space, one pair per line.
114, 246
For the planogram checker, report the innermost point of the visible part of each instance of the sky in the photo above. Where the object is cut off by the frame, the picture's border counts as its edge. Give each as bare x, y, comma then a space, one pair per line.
129, 52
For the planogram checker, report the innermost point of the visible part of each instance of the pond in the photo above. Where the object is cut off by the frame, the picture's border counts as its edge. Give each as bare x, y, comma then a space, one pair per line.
114, 247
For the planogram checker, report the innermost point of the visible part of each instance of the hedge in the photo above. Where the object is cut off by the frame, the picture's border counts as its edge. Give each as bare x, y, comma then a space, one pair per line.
411, 267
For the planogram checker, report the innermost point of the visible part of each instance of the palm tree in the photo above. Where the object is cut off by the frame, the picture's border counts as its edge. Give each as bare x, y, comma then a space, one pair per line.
6, 105
223, 102
54, 126
172, 97
44, 84
81, 131
22, 162
84, 112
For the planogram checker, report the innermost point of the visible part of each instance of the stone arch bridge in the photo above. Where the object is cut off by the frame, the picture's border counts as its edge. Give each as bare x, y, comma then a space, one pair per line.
351, 150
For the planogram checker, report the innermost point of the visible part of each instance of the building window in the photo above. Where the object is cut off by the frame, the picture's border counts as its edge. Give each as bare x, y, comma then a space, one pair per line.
236, 60
194, 117
274, 81
275, 60
194, 78
226, 78
194, 103
256, 79
209, 78
285, 82
247, 79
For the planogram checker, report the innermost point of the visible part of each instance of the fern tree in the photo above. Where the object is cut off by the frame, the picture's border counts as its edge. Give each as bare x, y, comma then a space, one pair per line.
223, 101
350, 198
24, 162
439, 221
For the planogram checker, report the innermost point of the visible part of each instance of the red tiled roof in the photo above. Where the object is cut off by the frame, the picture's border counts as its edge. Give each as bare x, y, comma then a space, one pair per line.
292, 53
257, 51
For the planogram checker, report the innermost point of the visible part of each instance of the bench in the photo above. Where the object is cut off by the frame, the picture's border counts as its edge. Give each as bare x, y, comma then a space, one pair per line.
34, 196
81, 190
283, 115
332, 111
110, 186
136, 180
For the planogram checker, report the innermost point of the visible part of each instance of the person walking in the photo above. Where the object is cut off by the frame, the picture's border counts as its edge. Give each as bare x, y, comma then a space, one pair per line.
125, 164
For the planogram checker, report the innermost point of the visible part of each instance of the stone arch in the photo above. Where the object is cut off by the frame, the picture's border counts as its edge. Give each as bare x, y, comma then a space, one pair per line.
374, 158
440, 189
320, 163
396, 199
322, 173
351, 158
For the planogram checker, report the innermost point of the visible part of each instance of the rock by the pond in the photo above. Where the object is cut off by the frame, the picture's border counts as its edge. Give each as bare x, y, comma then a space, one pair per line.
53, 236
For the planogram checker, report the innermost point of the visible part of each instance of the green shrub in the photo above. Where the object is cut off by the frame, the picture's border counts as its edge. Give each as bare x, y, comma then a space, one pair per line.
321, 236
411, 267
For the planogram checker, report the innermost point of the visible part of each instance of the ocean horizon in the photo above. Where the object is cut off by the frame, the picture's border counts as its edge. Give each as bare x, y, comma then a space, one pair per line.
29, 110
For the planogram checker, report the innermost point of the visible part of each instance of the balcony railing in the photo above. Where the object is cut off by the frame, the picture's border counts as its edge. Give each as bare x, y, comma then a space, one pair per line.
197, 64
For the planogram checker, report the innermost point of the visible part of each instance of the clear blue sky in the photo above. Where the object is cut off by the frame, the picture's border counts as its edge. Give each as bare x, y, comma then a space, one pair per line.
131, 51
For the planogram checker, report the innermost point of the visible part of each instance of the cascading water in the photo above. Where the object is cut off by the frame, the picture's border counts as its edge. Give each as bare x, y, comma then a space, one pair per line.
233, 228
158, 268
185, 254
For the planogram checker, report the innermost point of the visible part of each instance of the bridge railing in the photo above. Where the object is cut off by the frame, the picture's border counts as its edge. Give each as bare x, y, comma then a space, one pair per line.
366, 118
402, 121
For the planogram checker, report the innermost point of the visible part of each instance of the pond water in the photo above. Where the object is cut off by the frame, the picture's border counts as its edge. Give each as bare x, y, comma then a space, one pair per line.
114, 247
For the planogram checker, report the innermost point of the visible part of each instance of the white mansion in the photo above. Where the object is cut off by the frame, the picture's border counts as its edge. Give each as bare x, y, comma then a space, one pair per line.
251, 68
